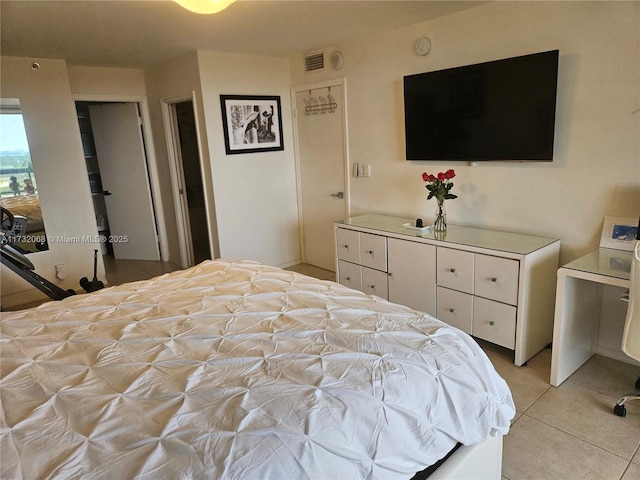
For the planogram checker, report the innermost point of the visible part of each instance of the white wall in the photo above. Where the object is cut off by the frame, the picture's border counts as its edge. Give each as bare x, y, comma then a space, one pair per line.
255, 193
101, 81
58, 163
596, 169
176, 80
111, 84
251, 197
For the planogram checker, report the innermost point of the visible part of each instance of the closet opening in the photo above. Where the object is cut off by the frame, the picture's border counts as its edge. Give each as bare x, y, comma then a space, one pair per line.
192, 210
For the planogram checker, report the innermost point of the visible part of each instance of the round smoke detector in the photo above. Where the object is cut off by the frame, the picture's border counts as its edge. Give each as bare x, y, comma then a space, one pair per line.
423, 46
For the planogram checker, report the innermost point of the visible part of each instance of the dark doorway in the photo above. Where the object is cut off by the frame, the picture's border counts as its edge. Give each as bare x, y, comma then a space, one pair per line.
193, 181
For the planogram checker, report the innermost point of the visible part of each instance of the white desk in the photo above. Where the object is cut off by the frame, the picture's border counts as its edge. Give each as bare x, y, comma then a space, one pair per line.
578, 307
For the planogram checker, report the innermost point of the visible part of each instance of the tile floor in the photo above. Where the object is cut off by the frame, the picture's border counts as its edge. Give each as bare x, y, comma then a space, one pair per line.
123, 271
564, 433
569, 432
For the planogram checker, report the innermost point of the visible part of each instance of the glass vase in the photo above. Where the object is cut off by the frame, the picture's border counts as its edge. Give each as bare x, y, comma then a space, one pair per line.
440, 222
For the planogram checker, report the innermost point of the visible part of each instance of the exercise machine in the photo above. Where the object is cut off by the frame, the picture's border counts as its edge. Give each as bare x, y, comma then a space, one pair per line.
11, 229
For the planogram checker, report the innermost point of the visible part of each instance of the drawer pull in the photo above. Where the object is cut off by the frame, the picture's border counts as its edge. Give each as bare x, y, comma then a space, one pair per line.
370, 252
346, 246
492, 323
348, 279
452, 270
451, 310
494, 279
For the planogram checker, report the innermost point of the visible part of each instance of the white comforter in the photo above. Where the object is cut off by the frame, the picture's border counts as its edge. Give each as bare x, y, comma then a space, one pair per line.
237, 370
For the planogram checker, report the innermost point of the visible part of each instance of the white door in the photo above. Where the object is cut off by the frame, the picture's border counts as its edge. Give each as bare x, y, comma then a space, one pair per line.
123, 170
321, 150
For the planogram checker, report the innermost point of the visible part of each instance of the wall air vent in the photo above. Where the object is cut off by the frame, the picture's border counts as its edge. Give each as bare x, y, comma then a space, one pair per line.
314, 62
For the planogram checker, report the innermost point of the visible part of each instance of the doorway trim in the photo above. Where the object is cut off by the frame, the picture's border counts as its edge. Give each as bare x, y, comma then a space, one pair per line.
177, 180
342, 82
151, 160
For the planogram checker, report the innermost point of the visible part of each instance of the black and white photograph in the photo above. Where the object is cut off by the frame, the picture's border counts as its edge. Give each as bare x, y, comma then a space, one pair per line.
252, 123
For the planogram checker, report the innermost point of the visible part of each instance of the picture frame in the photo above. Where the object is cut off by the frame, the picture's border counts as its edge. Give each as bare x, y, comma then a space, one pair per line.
619, 233
252, 123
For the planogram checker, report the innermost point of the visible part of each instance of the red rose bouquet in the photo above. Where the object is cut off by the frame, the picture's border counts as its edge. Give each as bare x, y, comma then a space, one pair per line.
440, 187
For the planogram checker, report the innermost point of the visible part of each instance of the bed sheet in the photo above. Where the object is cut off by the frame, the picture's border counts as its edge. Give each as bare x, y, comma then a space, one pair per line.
238, 370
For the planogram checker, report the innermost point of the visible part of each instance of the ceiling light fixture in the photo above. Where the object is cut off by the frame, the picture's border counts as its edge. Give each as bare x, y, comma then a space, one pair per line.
204, 6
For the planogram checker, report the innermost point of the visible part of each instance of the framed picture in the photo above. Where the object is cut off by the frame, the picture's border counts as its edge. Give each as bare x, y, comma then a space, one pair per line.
252, 123
619, 233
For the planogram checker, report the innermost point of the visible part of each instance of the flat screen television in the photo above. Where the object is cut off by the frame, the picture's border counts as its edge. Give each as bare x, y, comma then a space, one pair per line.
499, 110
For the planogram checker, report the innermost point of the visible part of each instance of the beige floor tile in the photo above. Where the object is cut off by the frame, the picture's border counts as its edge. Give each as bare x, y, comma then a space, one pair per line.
156, 268
541, 361
534, 450
496, 350
527, 384
607, 376
588, 415
312, 271
121, 277
632, 473
123, 271
118, 271
636, 458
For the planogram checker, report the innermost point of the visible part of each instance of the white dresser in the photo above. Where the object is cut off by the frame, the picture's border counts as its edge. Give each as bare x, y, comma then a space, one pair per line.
497, 286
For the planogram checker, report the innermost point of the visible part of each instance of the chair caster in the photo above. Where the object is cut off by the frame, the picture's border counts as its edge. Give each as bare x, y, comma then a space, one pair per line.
620, 410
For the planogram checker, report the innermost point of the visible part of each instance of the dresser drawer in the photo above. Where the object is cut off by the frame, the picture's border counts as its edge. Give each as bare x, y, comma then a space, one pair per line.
373, 251
375, 282
455, 308
496, 278
350, 275
494, 322
455, 269
348, 245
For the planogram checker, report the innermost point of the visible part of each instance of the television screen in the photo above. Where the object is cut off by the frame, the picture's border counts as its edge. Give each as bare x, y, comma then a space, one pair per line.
498, 110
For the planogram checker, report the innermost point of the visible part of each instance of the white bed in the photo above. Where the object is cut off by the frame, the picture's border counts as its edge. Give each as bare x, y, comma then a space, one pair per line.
239, 370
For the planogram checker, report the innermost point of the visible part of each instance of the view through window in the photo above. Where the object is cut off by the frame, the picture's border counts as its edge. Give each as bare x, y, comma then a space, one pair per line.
18, 186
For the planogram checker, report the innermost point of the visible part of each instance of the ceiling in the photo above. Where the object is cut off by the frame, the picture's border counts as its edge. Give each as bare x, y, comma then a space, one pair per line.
145, 32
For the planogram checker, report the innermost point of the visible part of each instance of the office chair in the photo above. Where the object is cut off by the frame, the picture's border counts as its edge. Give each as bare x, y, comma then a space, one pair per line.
631, 334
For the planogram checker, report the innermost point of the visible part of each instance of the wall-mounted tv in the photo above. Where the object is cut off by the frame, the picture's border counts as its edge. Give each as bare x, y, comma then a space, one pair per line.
498, 110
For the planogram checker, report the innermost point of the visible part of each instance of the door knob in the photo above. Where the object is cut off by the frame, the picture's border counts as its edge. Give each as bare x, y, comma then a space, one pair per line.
106, 193
338, 195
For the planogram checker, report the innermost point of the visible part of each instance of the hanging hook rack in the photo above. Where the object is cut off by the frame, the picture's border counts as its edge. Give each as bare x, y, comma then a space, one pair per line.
320, 105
